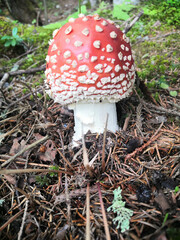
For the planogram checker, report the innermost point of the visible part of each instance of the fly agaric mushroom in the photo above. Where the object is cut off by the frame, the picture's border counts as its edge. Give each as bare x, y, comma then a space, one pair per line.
89, 68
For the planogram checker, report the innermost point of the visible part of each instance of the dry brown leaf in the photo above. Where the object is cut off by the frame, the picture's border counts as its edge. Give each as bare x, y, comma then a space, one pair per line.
50, 152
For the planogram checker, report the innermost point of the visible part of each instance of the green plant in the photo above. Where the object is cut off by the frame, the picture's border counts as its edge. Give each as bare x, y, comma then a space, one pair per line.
42, 180
164, 85
121, 11
12, 40
165, 218
176, 190
123, 214
165, 11
53, 174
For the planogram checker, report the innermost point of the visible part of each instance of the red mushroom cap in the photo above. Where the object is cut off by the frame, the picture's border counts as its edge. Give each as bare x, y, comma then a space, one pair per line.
89, 59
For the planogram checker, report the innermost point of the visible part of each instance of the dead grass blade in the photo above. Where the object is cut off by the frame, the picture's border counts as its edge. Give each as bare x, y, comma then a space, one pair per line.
106, 227
88, 234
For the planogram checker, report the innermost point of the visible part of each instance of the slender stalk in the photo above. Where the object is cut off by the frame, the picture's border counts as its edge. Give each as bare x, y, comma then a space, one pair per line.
108, 237
79, 6
88, 237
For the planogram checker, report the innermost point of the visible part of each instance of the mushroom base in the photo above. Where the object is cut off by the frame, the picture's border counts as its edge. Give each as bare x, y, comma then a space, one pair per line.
92, 117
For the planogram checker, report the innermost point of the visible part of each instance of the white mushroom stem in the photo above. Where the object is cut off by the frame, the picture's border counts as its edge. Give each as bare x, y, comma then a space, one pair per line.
92, 116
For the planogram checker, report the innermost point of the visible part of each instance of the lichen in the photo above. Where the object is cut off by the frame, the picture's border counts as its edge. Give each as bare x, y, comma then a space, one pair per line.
123, 214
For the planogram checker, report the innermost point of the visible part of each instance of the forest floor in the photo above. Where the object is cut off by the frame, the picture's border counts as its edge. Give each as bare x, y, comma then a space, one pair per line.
46, 192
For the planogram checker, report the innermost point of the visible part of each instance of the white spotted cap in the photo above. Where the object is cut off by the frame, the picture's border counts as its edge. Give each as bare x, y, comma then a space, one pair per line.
89, 60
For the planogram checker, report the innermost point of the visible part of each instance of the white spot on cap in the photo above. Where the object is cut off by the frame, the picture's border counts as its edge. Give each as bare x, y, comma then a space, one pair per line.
98, 28
127, 49
78, 43
68, 30
109, 48
117, 68
80, 56
97, 44
120, 56
54, 66
102, 57
108, 59
110, 21
85, 31
67, 54
129, 57
53, 59
113, 60
86, 55
108, 69
105, 80
122, 46
124, 83
112, 75
73, 76
81, 15
103, 49
85, 19
99, 85
125, 67
96, 17
126, 39
82, 79
93, 58
83, 68
58, 52
98, 67
74, 64
68, 61
71, 20
94, 76
91, 89
125, 57
104, 23
122, 76
64, 68
51, 41
113, 34
55, 32
47, 58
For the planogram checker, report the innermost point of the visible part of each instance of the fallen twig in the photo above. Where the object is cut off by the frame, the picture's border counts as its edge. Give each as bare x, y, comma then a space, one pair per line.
28, 71
4, 79
11, 220
158, 108
108, 237
87, 213
24, 150
29, 170
127, 29
140, 149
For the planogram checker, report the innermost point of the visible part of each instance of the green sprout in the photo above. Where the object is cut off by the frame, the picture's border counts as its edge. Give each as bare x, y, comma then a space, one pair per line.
12, 40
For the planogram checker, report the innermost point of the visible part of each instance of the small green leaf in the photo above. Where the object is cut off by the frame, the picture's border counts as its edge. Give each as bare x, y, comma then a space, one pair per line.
164, 85
7, 44
173, 93
5, 37
176, 189
14, 31
13, 42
